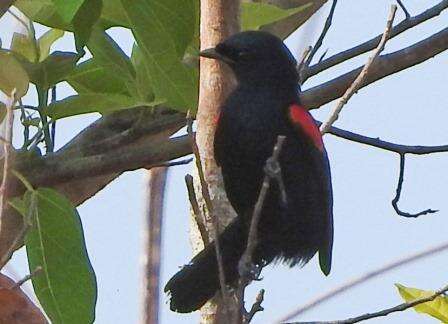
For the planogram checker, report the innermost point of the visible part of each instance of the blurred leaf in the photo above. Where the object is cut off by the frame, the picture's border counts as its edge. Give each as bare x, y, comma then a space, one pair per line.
54, 69
84, 20
437, 308
15, 306
4, 6
163, 30
12, 75
46, 41
68, 9
31, 122
143, 81
113, 14
284, 27
89, 76
25, 46
109, 55
255, 15
67, 286
44, 12
92, 102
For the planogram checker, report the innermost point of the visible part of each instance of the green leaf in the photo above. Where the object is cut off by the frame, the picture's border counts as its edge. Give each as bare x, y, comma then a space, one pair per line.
108, 55
437, 308
255, 15
68, 9
163, 30
25, 46
45, 42
92, 102
91, 77
54, 69
66, 288
12, 75
44, 12
84, 20
143, 81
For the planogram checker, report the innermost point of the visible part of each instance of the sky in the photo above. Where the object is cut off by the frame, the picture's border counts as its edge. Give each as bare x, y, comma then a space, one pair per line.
409, 107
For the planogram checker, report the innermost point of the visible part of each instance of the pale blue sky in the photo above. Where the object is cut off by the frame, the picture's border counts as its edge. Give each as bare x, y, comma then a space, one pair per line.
409, 107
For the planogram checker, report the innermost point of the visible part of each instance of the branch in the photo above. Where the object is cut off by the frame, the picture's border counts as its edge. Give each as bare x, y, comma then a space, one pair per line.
362, 75
383, 66
362, 279
369, 45
321, 38
384, 312
153, 239
245, 266
403, 7
198, 216
398, 194
208, 201
387, 146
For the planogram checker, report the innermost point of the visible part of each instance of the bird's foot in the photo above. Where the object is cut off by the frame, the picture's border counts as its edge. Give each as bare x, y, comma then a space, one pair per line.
249, 271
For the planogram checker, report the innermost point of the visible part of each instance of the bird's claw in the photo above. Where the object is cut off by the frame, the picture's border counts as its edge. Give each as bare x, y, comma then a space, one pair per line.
249, 271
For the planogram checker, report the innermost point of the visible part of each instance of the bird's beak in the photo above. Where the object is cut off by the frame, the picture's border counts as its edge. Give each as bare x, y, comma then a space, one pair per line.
213, 54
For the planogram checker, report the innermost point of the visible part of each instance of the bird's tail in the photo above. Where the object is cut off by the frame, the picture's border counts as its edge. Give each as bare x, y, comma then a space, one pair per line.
198, 281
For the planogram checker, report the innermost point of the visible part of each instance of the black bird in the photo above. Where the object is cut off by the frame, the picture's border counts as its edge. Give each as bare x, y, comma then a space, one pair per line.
264, 104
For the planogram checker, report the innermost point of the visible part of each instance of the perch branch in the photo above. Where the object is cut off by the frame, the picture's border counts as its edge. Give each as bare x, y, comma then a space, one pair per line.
199, 218
245, 267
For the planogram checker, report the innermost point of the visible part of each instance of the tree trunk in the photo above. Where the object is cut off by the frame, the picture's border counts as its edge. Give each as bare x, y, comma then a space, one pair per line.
219, 19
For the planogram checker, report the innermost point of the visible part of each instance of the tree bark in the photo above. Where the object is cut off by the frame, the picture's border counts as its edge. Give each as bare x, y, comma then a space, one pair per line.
219, 19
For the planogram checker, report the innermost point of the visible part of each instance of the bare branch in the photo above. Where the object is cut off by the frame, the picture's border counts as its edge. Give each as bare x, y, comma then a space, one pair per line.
211, 211
324, 32
398, 194
403, 7
19, 283
388, 146
362, 75
369, 45
153, 239
387, 311
245, 267
364, 278
256, 307
199, 218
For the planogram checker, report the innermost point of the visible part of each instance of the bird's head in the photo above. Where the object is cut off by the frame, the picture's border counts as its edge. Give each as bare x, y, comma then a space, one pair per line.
255, 56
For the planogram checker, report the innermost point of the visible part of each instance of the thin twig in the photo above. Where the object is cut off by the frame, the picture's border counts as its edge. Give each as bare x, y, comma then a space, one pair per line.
153, 239
324, 32
209, 204
398, 194
387, 146
272, 169
362, 75
256, 307
363, 279
301, 62
199, 218
384, 312
403, 7
19, 283
173, 163
362, 48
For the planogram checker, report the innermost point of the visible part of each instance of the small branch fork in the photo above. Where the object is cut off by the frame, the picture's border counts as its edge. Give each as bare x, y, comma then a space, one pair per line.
209, 204
363, 279
246, 265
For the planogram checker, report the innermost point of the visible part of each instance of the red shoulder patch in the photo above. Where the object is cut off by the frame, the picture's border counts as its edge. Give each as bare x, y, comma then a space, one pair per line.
301, 118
